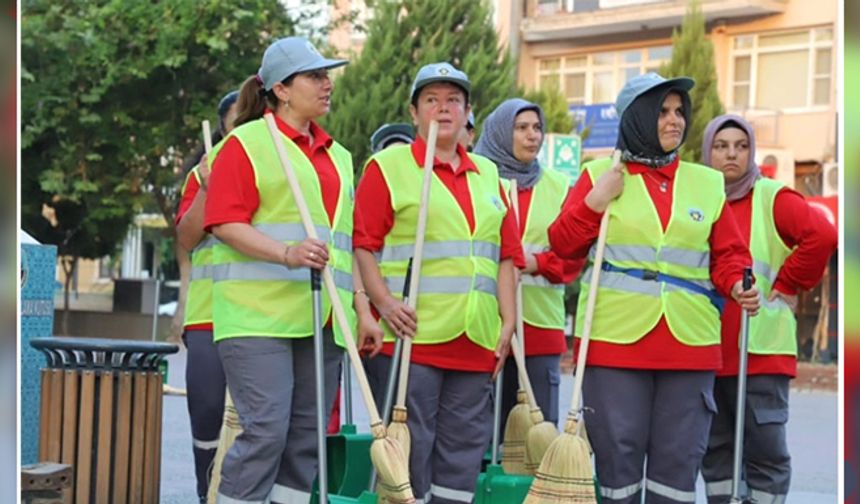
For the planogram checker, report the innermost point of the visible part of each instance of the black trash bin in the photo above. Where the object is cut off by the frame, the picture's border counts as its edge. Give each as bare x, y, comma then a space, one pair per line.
101, 413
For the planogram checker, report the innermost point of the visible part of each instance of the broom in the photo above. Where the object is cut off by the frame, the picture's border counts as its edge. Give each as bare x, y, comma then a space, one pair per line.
519, 418
541, 433
565, 474
230, 430
398, 429
385, 453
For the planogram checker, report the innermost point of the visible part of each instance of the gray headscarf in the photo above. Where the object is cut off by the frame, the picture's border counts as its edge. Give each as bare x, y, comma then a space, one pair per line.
741, 187
497, 142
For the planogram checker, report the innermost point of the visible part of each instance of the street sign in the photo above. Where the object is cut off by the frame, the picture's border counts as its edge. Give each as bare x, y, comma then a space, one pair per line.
562, 153
602, 121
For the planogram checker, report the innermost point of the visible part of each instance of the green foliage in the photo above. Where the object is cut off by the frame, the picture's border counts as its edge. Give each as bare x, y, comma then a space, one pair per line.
114, 92
555, 109
403, 36
693, 56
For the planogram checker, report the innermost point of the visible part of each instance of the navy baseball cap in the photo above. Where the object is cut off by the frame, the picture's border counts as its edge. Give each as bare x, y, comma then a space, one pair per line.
289, 56
440, 72
641, 84
390, 132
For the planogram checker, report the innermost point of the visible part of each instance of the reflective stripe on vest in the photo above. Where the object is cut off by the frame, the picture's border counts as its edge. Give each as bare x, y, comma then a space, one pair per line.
457, 287
441, 250
257, 298
628, 307
773, 331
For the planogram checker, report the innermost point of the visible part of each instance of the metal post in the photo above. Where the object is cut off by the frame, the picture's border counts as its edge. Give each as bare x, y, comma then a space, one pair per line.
319, 365
497, 419
740, 414
347, 389
157, 295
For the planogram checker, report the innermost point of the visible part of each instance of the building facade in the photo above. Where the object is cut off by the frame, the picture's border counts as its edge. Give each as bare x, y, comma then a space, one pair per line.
776, 63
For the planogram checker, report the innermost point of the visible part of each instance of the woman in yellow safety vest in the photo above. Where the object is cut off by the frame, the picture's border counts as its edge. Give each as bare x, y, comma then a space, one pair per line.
204, 377
673, 253
261, 272
465, 307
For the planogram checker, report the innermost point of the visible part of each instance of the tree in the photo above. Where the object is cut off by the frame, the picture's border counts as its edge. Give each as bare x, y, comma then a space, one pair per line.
113, 96
693, 56
403, 36
555, 109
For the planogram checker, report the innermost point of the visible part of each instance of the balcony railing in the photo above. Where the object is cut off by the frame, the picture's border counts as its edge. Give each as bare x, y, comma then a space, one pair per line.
571, 19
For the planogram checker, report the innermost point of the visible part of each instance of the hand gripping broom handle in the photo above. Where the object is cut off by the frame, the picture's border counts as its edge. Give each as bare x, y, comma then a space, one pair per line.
515, 204
575, 410
207, 139
328, 279
429, 155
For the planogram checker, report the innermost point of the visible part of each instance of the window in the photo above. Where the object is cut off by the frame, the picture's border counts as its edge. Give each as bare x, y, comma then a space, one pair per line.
598, 77
782, 71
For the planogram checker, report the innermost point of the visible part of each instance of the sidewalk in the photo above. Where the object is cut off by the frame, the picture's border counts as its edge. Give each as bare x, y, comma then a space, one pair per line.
812, 436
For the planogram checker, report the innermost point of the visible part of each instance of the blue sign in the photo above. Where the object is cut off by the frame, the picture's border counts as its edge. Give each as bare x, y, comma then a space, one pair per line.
602, 121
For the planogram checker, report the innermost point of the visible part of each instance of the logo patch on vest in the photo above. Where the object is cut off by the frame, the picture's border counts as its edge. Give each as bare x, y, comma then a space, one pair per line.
696, 215
498, 203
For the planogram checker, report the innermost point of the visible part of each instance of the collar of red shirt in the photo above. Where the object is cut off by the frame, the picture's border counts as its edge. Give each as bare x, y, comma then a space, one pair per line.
322, 140
419, 150
667, 171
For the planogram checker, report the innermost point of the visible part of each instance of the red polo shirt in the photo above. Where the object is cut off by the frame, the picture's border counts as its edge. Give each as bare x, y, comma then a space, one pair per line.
375, 218
815, 238
539, 340
573, 234
232, 194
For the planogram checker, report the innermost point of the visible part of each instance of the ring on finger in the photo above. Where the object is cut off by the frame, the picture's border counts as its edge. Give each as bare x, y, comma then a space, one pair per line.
312, 255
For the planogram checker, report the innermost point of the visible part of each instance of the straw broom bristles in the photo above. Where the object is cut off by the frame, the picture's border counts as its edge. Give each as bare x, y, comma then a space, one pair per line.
398, 432
565, 475
539, 437
230, 430
389, 460
514, 441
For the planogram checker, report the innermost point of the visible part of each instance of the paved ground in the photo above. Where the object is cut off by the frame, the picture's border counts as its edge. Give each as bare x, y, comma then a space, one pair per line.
812, 431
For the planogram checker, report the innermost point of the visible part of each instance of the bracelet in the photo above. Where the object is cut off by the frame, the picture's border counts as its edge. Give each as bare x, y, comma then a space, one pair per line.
361, 291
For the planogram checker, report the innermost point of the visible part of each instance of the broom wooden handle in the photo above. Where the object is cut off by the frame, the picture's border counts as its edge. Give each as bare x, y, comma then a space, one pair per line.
328, 279
207, 138
513, 195
575, 410
520, 359
415, 280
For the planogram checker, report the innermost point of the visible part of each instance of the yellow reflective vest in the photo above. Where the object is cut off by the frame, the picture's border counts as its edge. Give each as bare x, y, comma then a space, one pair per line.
773, 330
198, 299
543, 301
629, 307
258, 298
457, 290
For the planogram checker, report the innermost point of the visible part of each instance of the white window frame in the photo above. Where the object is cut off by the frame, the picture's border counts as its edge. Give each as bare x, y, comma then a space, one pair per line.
617, 67
753, 52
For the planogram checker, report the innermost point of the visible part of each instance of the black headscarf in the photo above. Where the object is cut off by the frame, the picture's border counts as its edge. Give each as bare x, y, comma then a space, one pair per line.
638, 138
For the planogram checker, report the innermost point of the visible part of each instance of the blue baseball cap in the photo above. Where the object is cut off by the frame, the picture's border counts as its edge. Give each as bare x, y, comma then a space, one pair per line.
289, 56
440, 72
639, 85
